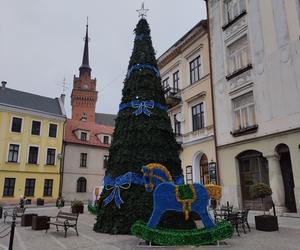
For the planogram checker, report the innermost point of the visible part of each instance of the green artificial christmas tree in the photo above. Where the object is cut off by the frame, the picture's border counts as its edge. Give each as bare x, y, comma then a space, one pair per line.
142, 135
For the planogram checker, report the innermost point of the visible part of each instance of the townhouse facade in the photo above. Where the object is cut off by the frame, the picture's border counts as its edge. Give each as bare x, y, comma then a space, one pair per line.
31, 145
185, 73
256, 86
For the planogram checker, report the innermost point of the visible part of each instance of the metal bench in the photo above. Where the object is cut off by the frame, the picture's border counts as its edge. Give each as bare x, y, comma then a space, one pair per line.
17, 212
65, 220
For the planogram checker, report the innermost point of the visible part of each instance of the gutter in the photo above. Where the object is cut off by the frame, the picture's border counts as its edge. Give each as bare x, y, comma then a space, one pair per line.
212, 93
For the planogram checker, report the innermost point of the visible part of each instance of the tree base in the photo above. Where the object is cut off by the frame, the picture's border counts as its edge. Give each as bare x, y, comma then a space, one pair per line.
171, 237
268, 223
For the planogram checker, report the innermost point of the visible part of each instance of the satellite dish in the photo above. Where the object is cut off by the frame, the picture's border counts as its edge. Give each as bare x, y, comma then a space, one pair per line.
179, 117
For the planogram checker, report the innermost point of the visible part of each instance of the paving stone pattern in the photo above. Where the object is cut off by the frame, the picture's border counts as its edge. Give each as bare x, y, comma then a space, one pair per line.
287, 238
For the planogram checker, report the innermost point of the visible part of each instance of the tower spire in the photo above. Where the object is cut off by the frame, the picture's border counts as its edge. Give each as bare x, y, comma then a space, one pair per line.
85, 67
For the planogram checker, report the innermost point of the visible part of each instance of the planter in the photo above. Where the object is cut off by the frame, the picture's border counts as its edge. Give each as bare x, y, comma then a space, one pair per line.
40, 202
266, 223
77, 209
26, 220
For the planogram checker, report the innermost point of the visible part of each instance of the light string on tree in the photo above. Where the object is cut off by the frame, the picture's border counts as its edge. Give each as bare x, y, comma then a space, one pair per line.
143, 66
141, 37
142, 107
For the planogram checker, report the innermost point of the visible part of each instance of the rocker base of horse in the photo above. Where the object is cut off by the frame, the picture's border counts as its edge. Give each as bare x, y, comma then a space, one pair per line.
194, 237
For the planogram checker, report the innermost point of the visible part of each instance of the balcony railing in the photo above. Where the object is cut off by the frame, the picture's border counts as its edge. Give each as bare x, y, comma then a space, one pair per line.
173, 96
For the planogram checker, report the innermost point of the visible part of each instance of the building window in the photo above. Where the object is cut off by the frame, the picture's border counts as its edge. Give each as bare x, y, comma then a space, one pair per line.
83, 136
106, 139
198, 116
238, 55
52, 130
9, 186
33, 155
189, 174
165, 84
243, 111
50, 160
81, 185
83, 159
195, 70
233, 8
16, 125
204, 175
29, 187
48, 186
105, 161
177, 126
35, 128
253, 169
176, 82
13, 154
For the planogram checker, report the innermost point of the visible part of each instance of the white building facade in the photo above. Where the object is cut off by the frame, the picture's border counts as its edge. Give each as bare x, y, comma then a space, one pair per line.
256, 86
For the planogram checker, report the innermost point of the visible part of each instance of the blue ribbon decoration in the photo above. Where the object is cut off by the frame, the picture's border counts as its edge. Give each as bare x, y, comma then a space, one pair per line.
142, 107
124, 182
140, 37
143, 66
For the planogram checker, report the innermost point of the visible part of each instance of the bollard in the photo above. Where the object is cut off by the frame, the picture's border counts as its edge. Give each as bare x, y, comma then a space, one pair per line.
12, 232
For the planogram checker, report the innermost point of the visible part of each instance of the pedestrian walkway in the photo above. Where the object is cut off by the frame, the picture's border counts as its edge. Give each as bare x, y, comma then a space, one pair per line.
287, 238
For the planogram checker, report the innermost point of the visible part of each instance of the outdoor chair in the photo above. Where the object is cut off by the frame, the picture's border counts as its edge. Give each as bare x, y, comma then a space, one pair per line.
17, 212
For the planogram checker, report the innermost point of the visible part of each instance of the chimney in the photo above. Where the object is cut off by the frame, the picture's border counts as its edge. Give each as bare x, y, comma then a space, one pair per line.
62, 97
3, 83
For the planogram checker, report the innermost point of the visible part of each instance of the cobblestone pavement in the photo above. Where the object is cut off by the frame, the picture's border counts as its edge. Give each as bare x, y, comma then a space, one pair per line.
287, 238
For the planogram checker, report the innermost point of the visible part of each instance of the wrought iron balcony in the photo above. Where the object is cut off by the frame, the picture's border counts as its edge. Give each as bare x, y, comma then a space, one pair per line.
173, 96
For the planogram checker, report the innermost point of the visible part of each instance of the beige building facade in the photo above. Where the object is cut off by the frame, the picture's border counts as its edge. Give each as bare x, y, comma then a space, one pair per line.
255, 68
186, 80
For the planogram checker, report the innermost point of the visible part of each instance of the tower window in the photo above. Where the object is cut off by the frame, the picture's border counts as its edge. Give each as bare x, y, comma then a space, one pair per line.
83, 159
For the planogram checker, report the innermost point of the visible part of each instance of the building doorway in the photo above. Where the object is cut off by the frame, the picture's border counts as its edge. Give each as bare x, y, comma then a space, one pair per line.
204, 175
253, 169
287, 176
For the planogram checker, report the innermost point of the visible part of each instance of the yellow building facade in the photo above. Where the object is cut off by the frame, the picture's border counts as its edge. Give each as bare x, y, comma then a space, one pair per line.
185, 72
30, 147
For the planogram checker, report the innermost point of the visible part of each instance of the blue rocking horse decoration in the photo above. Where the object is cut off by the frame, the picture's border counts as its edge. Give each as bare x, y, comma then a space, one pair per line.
166, 195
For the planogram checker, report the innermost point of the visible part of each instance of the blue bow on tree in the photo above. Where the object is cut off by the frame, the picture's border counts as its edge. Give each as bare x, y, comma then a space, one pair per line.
142, 107
123, 181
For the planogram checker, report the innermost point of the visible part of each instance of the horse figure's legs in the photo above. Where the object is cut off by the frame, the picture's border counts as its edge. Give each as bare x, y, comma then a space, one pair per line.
155, 218
205, 217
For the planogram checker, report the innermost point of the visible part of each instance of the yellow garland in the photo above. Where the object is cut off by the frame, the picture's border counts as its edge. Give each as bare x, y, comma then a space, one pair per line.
214, 191
152, 166
186, 204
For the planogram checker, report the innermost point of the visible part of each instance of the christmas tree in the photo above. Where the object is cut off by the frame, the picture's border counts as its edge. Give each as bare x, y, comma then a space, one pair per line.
142, 135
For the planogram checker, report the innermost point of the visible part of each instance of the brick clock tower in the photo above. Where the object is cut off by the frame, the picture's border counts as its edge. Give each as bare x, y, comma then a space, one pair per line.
84, 94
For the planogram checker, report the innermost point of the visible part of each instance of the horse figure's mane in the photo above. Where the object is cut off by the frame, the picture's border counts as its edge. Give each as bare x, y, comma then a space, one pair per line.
157, 173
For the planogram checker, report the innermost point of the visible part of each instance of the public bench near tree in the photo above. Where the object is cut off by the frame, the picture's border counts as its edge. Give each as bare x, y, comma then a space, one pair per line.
65, 220
17, 212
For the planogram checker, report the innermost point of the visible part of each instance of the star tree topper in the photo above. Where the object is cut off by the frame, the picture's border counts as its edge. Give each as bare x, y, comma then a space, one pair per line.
142, 11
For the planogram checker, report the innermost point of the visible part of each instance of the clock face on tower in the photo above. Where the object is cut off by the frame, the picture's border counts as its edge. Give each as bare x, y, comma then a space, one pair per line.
85, 86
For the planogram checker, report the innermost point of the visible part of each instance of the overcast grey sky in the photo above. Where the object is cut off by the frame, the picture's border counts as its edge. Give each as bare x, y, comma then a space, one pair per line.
41, 41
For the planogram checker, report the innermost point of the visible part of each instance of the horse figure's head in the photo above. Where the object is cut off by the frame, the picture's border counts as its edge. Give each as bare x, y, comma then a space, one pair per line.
154, 174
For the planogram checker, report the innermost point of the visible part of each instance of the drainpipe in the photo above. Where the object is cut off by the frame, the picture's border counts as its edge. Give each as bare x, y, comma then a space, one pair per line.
62, 162
212, 93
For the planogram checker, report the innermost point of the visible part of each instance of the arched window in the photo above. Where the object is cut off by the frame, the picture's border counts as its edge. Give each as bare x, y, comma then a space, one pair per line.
204, 170
81, 185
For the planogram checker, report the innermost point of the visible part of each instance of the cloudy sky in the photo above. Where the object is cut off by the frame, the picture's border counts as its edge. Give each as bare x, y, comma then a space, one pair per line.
41, 41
